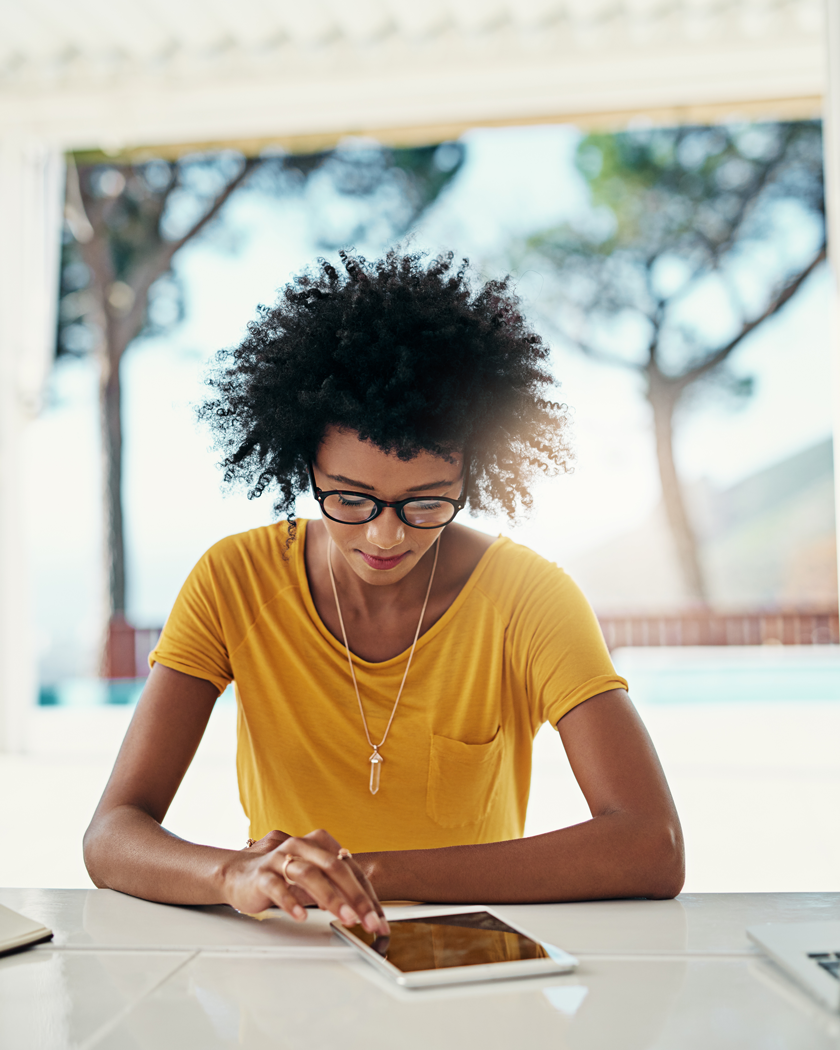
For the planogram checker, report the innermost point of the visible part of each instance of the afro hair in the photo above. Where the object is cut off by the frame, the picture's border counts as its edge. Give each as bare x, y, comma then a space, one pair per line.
411, 354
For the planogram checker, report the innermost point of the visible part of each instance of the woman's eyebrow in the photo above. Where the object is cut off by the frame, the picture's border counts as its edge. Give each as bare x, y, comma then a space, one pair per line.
417, 488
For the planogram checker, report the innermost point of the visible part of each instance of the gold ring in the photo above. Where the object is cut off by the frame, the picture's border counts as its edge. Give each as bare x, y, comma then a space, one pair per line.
289, 858
344, 854
250, 843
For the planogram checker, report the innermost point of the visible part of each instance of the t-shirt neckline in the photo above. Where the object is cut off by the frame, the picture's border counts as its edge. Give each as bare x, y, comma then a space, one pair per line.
298, 549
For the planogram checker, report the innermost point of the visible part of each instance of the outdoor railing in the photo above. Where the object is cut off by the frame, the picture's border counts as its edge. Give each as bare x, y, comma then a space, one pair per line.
131, 645
700, 627
145, 639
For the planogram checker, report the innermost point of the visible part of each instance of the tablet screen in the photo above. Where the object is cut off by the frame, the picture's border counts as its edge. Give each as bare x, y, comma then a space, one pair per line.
436, 942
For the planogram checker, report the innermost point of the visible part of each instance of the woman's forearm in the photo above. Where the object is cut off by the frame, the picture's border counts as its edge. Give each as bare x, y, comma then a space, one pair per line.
126, 849
613, 855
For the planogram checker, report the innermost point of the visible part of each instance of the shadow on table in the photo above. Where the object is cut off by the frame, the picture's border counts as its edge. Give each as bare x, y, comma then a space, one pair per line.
116, 920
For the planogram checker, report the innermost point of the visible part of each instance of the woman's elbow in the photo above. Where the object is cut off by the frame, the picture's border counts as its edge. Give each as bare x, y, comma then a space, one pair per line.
664, 862
89, 856
93, 852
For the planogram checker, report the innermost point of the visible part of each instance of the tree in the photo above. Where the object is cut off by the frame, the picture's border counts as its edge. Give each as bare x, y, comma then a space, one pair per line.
697, 237
127, 221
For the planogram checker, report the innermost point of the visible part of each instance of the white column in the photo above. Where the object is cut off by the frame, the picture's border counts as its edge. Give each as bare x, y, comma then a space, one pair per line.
831, 145
31, 200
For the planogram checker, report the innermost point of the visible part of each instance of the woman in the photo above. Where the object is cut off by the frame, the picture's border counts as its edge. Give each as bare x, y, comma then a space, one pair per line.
391, 665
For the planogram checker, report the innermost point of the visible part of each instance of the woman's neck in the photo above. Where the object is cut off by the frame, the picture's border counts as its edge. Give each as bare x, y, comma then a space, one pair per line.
365, 600
381, 620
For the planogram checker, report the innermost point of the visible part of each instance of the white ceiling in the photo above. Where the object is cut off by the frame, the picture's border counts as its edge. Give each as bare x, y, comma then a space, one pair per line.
110, 72
63, 39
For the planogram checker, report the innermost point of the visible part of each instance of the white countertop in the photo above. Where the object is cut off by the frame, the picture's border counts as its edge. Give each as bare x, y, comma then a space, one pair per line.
122, 972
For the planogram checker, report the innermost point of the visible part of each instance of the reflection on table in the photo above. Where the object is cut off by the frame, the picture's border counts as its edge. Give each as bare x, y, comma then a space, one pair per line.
666, 975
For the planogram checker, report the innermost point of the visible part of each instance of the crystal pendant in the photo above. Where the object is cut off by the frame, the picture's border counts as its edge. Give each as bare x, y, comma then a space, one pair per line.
375, 771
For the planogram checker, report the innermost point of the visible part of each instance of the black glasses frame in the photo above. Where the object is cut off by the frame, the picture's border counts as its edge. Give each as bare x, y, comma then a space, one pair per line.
381, 504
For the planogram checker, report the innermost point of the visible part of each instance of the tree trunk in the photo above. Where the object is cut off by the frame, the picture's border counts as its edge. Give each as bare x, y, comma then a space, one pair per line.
663, 398
118, 657
111, 420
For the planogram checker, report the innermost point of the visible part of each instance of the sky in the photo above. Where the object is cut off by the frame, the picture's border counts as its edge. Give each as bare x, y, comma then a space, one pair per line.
514, 181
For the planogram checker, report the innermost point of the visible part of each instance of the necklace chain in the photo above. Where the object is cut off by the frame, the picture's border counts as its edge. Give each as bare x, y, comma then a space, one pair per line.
376, 758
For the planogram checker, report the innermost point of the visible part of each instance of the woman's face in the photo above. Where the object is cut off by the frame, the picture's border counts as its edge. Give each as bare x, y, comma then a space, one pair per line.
384, 550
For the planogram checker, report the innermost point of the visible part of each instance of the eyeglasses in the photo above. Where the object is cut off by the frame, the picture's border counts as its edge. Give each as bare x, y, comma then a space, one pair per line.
356, 508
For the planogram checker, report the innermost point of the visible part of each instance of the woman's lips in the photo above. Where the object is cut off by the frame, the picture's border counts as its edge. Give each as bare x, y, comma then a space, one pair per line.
382, 563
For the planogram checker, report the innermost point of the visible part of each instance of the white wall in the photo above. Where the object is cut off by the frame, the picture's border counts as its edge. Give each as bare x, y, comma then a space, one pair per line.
31, 193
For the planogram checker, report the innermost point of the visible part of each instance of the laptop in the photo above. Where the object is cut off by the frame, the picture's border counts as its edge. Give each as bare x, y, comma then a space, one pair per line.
809, 952
16, 931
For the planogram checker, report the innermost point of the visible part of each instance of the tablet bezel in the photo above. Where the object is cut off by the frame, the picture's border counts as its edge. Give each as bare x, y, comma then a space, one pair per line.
558, 963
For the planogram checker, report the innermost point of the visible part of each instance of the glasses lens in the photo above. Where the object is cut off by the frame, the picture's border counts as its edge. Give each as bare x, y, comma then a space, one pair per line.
428, 513
344, 507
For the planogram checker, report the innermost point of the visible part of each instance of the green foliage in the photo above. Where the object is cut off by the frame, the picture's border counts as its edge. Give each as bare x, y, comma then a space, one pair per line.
693, 234
696, 237
137, 212
700, 185
133, 213
428, 170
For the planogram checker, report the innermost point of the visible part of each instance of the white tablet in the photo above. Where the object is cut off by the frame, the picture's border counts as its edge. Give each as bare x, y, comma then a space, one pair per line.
455, 948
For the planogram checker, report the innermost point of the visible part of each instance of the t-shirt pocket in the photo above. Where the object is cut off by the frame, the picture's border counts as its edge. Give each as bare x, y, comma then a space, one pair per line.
462, 779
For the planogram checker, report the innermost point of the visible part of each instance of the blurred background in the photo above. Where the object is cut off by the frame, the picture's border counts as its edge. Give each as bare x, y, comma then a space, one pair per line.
653, 180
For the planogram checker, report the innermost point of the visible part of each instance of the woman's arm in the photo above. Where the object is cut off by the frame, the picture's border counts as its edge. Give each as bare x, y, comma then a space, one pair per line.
126, 848
632, 846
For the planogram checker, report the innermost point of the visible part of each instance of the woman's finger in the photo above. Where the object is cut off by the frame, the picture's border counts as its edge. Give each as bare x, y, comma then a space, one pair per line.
276, 888
327, 895
343, 888
365, 881
323, 839
268, 842
302, 897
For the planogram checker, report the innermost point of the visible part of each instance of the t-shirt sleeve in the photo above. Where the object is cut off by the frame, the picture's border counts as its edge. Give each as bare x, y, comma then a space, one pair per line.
193, 638
562, 653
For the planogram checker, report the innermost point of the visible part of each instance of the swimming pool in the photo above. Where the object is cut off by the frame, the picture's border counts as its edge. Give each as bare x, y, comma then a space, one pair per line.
711, 674
99, 692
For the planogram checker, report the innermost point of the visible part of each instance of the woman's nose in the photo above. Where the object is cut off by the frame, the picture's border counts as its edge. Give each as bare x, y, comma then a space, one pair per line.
386, 530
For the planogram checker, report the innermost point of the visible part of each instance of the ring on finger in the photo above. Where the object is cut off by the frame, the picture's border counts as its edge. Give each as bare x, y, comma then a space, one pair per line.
344, 854
289, 858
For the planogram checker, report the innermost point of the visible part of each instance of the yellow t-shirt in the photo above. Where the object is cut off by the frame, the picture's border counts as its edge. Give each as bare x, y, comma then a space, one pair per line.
519, 646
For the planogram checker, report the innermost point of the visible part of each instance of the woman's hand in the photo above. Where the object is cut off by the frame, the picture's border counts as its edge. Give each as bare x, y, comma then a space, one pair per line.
262, 876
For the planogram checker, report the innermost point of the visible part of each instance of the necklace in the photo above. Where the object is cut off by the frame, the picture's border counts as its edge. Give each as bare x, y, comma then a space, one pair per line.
376, 759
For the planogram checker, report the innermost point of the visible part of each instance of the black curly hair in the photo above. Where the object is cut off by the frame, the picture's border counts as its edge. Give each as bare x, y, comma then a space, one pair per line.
403, 351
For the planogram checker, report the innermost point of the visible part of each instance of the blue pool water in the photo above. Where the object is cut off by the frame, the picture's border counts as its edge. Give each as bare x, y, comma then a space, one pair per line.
755, 673
98, 692
709, 685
